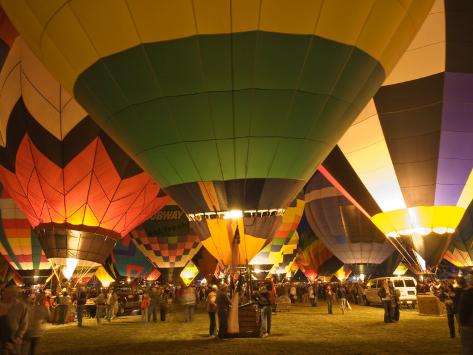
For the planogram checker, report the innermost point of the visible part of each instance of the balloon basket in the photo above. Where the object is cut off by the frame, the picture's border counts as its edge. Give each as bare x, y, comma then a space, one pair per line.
249, 321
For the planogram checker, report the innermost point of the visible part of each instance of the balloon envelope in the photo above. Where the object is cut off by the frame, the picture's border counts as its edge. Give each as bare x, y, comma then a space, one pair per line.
167, 238
412, 145
72, 182
341, 226
460, 251
285, 240
229, 105
130, 261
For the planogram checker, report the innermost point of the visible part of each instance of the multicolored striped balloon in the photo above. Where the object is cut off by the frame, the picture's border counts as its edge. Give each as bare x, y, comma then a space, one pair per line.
19, 243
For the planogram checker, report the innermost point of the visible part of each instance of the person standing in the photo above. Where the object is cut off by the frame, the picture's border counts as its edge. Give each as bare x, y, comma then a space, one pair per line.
395, 303
37, 316
145, 305
446, 296
63, 306
293, 293
386, 298
223, 309
154, 305
81, 301
458, 287
112, 300
342, 296
6, 338
329, 295
189, 301
465, 311
316, 293
311, 295
266, 311
163, 303
100, 306
14, 315
212, 309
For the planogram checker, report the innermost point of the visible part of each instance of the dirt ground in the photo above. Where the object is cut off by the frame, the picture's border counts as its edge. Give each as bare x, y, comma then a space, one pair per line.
302, 330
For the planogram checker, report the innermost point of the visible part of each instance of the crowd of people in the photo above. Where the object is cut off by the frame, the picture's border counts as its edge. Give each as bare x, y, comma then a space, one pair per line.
457, 295
312, 292
22, 314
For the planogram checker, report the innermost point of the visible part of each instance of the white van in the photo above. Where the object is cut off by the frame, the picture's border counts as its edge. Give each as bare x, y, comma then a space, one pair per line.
405, 284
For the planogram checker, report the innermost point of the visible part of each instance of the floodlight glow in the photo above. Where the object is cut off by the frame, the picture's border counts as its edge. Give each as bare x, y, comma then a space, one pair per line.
106, 283
233, 214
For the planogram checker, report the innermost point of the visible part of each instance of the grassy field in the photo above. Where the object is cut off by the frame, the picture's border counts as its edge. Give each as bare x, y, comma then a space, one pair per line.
303, 330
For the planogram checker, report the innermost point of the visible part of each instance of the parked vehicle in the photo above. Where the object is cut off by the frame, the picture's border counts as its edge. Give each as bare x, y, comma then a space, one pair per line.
405, 284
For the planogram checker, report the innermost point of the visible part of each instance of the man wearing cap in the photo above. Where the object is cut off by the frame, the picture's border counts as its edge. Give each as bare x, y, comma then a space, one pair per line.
16, 317
223, 308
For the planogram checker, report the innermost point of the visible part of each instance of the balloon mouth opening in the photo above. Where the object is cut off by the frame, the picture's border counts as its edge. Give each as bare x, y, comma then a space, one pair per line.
71, 267
236, 214
421, 232
419, 221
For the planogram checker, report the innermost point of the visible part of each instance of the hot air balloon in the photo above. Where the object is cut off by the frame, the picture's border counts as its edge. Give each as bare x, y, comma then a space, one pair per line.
343, 273
189, 273
460, 250
412, 146
206, 263
265, 262
314, 257
131, 263
343, 228
285, 267
19, 243
104, 277
166, 239
230, 106
72, 182
8, 274
284, 241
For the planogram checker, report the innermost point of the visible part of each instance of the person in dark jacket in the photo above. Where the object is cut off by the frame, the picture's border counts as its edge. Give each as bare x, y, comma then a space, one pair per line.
465, 311
81, 301
458, 286
223, 308
329, 296
154, 297
386, 297
395, 303
163, 303
446, 296
264, 302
